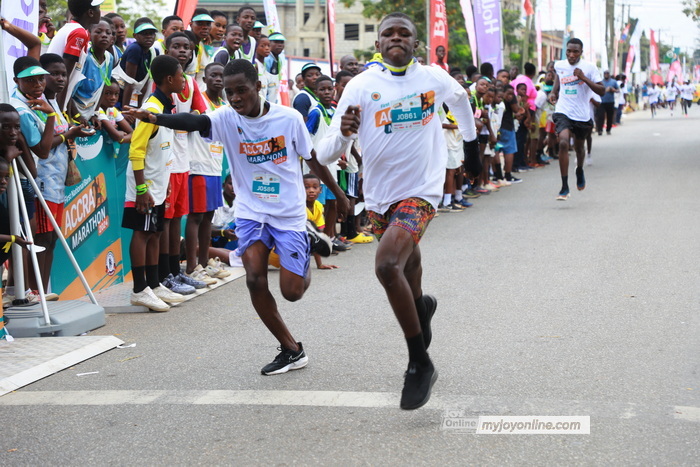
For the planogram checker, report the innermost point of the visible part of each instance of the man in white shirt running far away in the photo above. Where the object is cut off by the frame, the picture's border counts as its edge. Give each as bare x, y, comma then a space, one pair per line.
392, 107
575, 81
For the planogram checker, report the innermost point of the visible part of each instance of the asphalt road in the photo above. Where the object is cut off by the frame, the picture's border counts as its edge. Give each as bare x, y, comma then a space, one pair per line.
584, 307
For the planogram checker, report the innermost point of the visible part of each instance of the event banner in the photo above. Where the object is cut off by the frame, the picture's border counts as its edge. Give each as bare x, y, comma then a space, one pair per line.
438, 28
654, 70
92, 220
25, 15
468, 13
330, 11
487, 17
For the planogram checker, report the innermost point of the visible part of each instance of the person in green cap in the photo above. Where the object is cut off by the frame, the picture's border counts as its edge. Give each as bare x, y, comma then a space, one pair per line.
274, 64
134, 66
203, 53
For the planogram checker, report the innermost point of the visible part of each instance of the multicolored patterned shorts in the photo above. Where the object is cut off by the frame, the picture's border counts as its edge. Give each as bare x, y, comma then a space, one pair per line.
412, 214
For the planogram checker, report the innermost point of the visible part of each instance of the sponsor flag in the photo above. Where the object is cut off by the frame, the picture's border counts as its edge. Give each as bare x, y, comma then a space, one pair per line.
184, 9
487, 18
438, 28
468, 14
527, 8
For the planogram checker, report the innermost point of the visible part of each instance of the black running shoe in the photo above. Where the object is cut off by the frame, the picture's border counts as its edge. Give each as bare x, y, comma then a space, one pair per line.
418, 382
425, 315
580, 179
286, 360
320, 242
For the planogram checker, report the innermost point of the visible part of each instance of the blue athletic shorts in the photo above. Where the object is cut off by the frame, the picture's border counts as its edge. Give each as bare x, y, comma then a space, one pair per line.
326, 194
292, 247
507, 140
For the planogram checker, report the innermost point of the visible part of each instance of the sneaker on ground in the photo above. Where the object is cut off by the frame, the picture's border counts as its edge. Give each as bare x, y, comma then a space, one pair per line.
563, 194
513, 180
320, 242
491, 187
471, 194
580, 179
178, 287
482, 191
418, 382
443, 208
187, 280
455, 207
464, 203
148, 299
589, 160
338, 245
218, 264
430, 304
215, 272
286, 360
167, 295
201, 276
362, 238
503, 182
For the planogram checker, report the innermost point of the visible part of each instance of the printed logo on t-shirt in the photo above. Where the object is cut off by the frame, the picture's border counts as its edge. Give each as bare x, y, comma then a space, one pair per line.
407, 113
265, 150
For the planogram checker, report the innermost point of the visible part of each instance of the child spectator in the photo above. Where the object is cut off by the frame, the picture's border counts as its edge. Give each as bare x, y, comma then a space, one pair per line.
72, 39
261, 53
202, 53
97, 72
306, 99
218, 29
270, 195
224, 222
204, 183
119, 36
46, 27
146, 188
274, 64
506, 135
232, 44
111, 118
6, 237
170, 25
133, 70
314, 211
246, 20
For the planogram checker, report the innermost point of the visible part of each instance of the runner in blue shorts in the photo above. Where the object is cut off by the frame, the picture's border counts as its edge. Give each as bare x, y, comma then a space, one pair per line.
263, 143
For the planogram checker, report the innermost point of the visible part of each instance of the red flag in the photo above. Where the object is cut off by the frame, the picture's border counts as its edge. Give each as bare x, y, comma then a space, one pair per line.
656, 77
438, 29
184, 9
527, 6
330, 10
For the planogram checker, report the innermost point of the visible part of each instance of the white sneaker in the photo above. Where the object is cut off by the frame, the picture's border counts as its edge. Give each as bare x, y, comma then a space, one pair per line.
200, 275
503, 182
589, 160
219, 266
148, 299
167, 295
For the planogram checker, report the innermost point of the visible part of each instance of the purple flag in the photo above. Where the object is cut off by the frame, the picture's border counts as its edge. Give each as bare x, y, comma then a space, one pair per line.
487, 18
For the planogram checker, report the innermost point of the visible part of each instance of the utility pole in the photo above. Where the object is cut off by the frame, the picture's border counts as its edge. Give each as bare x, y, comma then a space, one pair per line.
610, 30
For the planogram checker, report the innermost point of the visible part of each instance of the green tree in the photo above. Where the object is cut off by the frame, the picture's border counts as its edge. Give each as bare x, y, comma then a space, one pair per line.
459, 51
692, 9
130, 10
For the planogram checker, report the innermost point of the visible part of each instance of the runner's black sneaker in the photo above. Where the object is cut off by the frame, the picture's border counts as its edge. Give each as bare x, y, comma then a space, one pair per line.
320, 242
563, 194
580, 179
286, 360
418, 382
426, 309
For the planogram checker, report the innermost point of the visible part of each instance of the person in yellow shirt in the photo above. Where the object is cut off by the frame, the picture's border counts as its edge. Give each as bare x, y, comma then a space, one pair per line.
314, 211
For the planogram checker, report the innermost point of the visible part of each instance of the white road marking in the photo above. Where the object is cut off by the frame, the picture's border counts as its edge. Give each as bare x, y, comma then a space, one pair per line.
478, 405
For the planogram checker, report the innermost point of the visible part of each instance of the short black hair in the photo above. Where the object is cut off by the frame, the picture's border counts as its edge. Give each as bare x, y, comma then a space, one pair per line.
175, 35
507, 87
239, 65
113, 15
398, 14
323, 78
233, 25
169, 19
22, 63
48, 59
575, 40
107, 20
470, 70
520, 84
215, 13
4, 161
244, 8
142, 20
78, 8
6, 108
190, 35
342, 74
212, 65
486, 69
530, 69
310, 176
502, 70
162, 67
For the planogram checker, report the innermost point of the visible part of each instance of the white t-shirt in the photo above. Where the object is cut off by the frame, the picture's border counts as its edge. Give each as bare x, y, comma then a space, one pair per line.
596, 98
263, 154
654, 94
671, 93
206, 158
574, 94
687, 91
181, 150
404, 149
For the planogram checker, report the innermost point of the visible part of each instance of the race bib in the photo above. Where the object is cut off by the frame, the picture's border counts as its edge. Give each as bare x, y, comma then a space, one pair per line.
406, 114
216, 150
181, 136
571, 91
266, 187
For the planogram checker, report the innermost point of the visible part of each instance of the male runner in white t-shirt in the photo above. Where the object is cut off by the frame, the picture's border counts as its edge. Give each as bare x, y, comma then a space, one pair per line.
392, 106
574, 82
